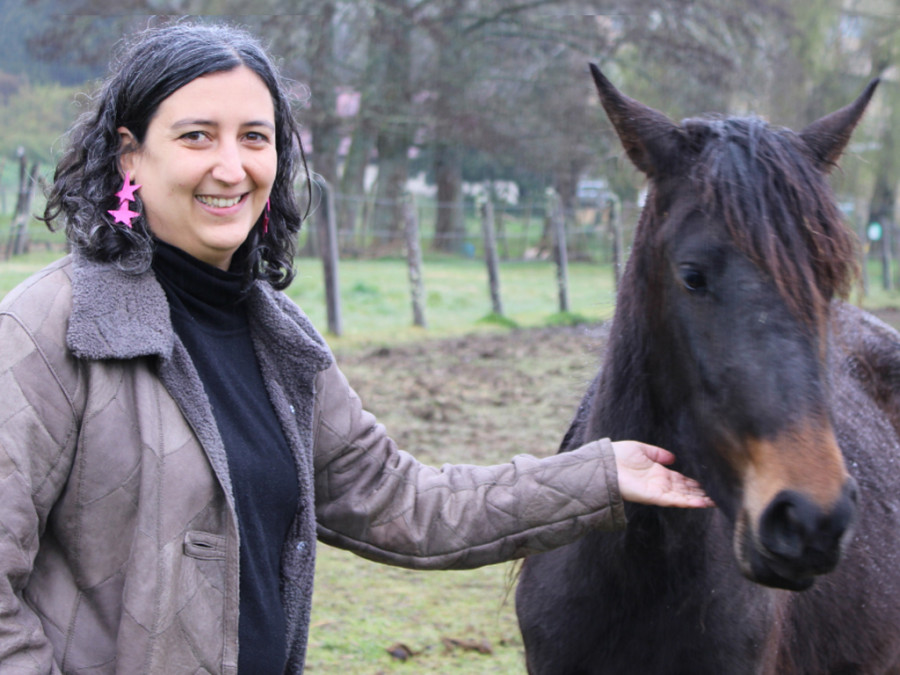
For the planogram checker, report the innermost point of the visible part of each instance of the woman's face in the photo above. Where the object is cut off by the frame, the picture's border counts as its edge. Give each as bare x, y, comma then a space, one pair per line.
207, 163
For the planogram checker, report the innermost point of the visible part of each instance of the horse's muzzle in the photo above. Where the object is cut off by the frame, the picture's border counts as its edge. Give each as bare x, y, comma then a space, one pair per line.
797, 539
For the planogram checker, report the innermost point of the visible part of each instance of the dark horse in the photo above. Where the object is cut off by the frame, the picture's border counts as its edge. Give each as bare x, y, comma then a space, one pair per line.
731, 348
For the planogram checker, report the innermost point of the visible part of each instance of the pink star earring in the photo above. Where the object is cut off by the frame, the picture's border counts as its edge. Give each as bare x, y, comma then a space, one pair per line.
265, 223
124, 214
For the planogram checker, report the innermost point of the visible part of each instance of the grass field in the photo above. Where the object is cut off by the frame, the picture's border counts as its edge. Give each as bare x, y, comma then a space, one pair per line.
441, 622
376, 303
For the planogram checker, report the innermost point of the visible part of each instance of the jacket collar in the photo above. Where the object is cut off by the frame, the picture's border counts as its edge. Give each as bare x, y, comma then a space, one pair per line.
116, 314
122, 315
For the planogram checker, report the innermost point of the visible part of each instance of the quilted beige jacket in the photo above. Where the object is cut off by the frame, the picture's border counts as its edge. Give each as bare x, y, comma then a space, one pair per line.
118, 536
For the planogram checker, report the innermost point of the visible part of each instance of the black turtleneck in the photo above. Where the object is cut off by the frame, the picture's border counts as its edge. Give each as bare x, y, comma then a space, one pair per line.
210, 318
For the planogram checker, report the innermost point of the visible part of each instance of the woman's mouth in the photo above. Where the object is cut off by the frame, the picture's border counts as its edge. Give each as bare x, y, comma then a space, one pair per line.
218, 202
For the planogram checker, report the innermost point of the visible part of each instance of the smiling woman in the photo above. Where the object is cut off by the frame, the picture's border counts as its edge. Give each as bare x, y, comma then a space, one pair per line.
125, 131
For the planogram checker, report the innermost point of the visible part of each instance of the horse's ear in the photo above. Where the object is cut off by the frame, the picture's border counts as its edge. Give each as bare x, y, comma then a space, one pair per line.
828, 136
652, 140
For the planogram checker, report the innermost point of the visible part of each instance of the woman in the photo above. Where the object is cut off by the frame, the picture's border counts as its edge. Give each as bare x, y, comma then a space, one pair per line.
176, 434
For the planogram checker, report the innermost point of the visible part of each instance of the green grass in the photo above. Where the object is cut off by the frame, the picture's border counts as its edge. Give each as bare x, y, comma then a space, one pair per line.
376, 303
19, 268
376, 306
353, 626
876, 296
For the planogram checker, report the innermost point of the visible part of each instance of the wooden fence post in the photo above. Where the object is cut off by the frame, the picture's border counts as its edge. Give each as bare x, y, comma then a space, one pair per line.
501, 232
328, 245
558, 221
414, 260
18, 234
490, 255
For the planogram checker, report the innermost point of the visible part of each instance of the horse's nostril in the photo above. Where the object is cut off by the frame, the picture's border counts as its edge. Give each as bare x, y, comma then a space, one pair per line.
797, 530
786, 524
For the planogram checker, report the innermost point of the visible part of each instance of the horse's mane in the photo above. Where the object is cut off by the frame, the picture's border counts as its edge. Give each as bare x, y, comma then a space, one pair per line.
763, 182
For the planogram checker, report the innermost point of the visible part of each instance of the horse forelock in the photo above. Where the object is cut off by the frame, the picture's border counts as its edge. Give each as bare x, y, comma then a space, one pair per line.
776, 206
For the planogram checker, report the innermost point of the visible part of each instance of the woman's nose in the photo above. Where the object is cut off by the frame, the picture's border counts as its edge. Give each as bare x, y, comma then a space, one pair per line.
229, 165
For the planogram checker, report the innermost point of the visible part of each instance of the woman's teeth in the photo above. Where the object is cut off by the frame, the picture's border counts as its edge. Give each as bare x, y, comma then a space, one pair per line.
218, 202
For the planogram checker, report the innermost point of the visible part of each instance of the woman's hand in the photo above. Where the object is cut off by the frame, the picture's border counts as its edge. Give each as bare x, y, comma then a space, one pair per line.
644, 479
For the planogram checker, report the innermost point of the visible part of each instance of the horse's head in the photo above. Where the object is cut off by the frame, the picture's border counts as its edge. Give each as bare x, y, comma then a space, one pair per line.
739, 251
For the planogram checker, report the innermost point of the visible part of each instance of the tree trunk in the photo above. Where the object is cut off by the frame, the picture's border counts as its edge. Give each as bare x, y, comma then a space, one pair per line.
387, 218
452, 75
322, 117
394, 50
882, 212
448, 227
352, 186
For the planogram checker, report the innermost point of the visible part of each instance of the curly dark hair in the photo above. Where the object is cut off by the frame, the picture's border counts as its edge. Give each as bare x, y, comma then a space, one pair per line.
154, 64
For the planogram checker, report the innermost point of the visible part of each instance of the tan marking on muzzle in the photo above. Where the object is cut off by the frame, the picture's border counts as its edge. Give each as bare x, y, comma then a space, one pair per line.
806, 460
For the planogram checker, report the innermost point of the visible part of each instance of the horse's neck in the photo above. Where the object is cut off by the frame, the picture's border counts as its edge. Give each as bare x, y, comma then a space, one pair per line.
629, 401
657, 546
633, 400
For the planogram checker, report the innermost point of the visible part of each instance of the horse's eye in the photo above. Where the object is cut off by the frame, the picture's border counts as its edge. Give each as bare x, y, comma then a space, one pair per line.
692, 278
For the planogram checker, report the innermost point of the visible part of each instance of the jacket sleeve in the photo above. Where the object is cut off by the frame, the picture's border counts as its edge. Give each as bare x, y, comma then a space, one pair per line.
379, 502
38, 432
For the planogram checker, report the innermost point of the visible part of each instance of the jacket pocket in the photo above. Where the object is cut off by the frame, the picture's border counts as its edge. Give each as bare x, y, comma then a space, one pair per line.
204, 545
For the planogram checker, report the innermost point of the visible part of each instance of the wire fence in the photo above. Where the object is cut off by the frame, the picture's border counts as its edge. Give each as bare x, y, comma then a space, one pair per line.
492, 231
522, 230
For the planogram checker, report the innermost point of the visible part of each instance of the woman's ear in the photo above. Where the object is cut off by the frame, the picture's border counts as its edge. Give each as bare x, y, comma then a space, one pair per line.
128, 145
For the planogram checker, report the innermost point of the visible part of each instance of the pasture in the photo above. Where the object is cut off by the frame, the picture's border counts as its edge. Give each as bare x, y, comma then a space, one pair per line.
376, 299
462, 391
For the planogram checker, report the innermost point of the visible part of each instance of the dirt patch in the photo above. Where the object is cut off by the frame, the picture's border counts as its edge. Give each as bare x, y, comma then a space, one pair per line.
481, 398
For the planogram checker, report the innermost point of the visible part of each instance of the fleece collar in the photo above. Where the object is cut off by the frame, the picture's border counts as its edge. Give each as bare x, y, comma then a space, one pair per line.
117, 315
121, 315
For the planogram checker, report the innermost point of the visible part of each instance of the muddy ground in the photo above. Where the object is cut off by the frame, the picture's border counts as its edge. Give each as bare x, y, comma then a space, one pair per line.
480, 398
483, 398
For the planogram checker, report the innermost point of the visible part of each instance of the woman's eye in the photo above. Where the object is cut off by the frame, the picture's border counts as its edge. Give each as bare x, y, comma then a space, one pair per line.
692, 278
194, 136
257, 137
